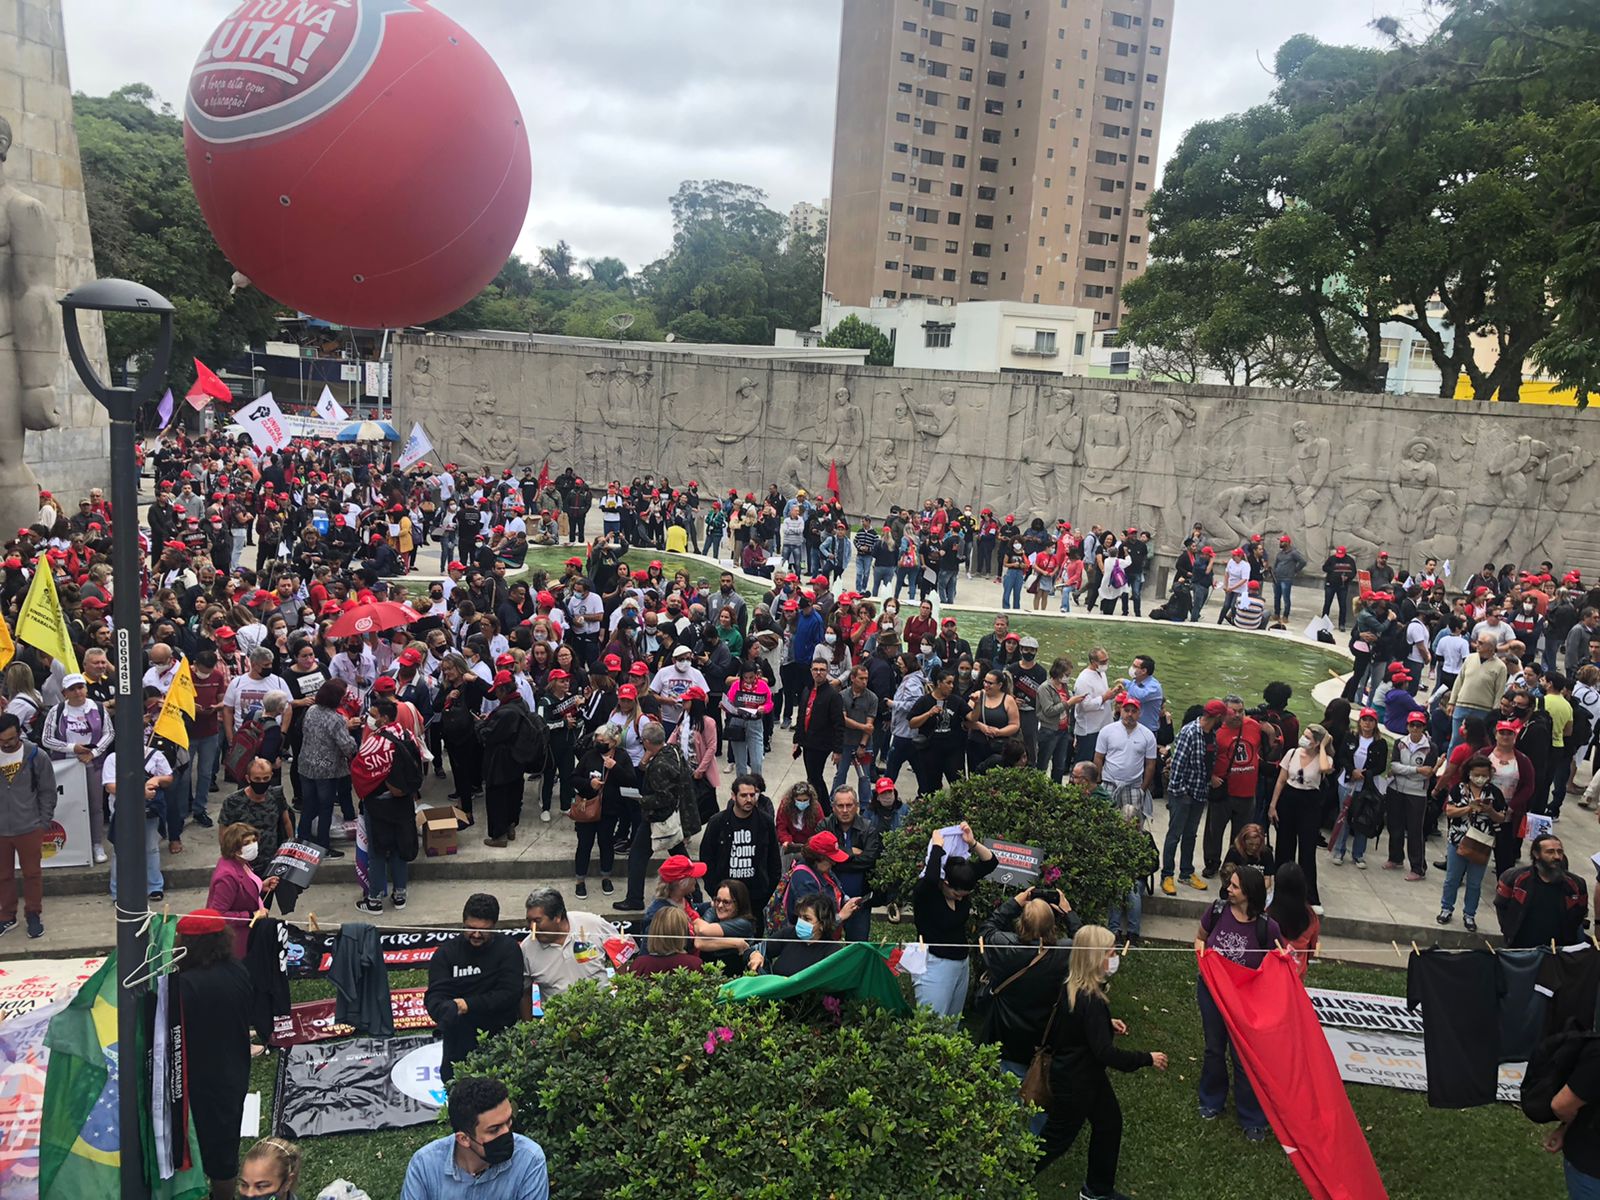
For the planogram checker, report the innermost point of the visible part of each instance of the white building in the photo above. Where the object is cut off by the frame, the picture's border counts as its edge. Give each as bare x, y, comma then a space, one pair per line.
977, 335
808, 218
1404, 351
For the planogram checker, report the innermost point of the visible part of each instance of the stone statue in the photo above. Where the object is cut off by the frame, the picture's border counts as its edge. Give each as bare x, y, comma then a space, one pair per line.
1243, 509
935, 424
1555, 510
503, 444
1514, 469
884, 471
30, 345
1163, 435
1060, 445
846, 431
1107, 443
1414, 485
793, 475
1308, 475
1357, 527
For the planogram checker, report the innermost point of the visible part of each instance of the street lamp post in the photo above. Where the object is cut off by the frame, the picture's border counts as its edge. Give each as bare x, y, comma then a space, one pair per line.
122, 405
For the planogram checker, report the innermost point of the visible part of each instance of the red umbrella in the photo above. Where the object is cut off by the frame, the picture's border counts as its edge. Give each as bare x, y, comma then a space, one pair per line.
371, 618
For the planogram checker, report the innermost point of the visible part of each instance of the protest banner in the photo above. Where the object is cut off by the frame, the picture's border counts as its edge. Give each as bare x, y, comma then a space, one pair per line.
24, 1059
295, 862
418, 446
313, 1020
66, 840
33, 983
1019, 865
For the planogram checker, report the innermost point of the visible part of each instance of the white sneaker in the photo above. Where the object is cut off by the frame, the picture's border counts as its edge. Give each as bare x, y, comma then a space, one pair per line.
544, 815
99, 854
1317, 908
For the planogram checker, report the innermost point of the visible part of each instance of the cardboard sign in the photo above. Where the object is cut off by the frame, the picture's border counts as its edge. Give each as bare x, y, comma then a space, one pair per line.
1019, 864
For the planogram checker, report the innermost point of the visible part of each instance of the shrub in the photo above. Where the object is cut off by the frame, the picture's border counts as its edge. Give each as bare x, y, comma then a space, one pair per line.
658, 1091
1097, 854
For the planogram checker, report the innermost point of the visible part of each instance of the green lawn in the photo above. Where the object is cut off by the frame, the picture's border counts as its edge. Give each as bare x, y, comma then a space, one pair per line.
1168, 1152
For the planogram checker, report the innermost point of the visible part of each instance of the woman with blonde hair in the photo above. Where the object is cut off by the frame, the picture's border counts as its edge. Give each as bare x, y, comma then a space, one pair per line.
669, 948
271, 1168
1082, 1034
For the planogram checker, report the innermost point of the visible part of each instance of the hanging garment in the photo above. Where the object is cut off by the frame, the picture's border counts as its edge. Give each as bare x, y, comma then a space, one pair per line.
1459, 992
265, 957
1522, 1004
361, 981
1276, 1036
1571, 978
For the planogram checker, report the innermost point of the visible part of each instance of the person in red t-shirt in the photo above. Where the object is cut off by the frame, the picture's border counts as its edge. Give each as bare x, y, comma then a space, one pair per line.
1233, 781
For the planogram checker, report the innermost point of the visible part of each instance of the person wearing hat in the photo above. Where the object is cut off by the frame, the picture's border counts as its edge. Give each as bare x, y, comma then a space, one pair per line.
217, 1000
1189, 775
1249, 610
81, 728
1361, 761
677, 881
1397, 702
666, 791
1338, 573
1125, 750
1411, 768
1286, 565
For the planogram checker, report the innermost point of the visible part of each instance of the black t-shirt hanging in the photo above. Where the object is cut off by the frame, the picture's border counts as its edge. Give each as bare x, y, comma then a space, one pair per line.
266, 957
1459, 992
1522, 1004
1572, 977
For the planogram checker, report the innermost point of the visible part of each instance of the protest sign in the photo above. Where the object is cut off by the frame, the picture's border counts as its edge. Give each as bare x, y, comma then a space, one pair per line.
66, 839
313, 1020
24, 1060
263, 421
1019, 864
295, 862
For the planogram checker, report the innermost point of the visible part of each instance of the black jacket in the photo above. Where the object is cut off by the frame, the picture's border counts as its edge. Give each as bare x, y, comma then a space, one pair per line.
825, 731
488, 979
760, 865
499, 732
1085, 1045
865, 837
1016, 1017
1511, 904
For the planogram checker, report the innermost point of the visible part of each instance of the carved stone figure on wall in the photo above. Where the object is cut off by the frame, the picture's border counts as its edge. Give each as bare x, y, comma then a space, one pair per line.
795, 473
1158, 481
1242, 510
1414, 485
1107, 444
1356, 526
1555, 510
1442, 523
1045, 465
936, 425
1513, 472
884, 469
29, 340
846, 432
503, 444
1308, 476
472, 435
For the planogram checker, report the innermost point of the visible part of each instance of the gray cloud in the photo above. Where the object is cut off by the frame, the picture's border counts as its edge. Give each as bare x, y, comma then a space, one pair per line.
624, 99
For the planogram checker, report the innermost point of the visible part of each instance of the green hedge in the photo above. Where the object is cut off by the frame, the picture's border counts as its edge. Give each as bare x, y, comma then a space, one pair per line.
658, 1092
1096, 854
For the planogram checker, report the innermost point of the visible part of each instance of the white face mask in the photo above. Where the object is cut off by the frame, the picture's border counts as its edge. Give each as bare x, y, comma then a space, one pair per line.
1307, 741
802, 805
683, 666
249, 851
830, 638
1112, 964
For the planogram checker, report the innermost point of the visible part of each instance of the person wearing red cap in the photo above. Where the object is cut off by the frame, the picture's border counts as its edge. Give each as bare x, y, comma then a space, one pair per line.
1338, 573
1249, 610
1474, 807
514, 742
217, 1000
1362, 762
560, 709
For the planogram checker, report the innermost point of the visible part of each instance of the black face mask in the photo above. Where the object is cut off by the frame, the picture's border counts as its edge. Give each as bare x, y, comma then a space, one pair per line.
498, 1150
260, 789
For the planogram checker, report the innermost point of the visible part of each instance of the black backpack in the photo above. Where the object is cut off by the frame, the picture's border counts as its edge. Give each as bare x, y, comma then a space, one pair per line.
405, 772
1549, 1069
532, 743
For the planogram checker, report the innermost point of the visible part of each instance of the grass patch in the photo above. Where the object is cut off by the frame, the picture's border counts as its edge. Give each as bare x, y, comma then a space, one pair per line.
1169, 1153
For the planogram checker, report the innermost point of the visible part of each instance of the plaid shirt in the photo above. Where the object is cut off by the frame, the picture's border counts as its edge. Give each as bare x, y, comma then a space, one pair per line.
1189, 772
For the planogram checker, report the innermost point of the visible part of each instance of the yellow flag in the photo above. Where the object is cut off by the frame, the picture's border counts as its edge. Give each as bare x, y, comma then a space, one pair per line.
8, 648
41, 623
169, 722
181, 692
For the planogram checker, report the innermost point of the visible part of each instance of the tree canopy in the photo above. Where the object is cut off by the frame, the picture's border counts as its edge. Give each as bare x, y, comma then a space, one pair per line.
1451, 176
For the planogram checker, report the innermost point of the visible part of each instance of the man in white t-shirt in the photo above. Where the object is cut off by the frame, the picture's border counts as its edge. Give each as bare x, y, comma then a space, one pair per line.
670, 683
246, 693
1095, 710
1452, 650
1125, 751
1418, 655
1235, 579
563, 947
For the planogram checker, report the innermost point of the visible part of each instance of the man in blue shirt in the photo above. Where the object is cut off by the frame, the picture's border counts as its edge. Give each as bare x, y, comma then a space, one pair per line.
1143, 686
482, 1159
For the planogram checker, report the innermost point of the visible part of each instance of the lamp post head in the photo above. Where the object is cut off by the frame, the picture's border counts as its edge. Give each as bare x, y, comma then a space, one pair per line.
118, 295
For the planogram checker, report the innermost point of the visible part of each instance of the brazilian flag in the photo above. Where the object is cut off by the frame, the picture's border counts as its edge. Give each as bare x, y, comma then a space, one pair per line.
80, 1135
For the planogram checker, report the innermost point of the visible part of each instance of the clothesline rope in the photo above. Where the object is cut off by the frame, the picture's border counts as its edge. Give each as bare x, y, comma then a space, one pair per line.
1394, 949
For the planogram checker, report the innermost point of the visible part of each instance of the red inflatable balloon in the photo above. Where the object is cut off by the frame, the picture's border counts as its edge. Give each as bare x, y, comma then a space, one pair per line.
361, 160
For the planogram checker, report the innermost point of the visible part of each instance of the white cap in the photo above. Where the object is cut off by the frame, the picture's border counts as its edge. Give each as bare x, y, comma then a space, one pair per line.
71, 681
681, 651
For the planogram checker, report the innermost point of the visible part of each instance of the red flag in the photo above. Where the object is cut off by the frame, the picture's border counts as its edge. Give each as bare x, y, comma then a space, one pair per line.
833, 477
1276, 1036
544, 477
206, 386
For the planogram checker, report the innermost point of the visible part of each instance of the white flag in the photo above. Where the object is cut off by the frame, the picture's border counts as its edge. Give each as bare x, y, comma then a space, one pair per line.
417, 447
328, 408
263, 421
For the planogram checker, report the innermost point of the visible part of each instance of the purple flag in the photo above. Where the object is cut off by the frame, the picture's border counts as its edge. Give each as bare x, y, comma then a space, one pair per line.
164, 409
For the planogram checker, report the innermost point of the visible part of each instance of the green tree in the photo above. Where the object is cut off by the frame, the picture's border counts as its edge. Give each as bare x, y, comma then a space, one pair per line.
557, 262
609, 273
854, 333
147, 226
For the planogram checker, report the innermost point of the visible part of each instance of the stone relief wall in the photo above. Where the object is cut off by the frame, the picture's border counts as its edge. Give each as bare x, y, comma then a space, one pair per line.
1417, 476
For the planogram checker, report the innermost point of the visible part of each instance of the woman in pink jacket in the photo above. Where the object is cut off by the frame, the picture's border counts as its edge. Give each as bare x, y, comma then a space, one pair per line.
744, 706
700, 732
236, 889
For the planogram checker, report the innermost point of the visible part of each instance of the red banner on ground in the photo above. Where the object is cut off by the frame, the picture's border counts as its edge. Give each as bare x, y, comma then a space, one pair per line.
1276, 1035
312, 1020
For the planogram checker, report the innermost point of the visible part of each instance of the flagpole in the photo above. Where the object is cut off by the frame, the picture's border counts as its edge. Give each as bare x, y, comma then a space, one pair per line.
121, 404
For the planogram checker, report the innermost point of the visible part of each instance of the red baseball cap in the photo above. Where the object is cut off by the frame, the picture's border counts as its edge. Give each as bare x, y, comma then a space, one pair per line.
827, 845
627, 692
693, 693
1513, 726
502, 679
410, 657
639, 668
1338, 549
613, 662
384, 683
505, 660
883, 784
680, 867
1369, 712
1216, 708
558, 673
1417, 718
1130, 702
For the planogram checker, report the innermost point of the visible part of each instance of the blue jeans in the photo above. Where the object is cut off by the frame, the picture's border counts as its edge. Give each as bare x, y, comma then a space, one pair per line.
177, 797
906, 577
1200, 594
1055, 752
1358, 850
863, 778
1183, 822
882, 577
317, 799
1066, 595
383, 871
1281, 591
1579, 1185
202, 766
713, 543
1457, 718
1214, 1067
1011, 589
1123, 919
1136, 589
1456, 869
153, 880
447, 551
947, 587
749, 754
1019, 1071
943, 987
863, 573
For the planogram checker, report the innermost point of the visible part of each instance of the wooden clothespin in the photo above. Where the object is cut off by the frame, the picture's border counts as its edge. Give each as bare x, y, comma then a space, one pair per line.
1397, 953
1414, 949
254, 917
311, 920
1126, 946
1492, 950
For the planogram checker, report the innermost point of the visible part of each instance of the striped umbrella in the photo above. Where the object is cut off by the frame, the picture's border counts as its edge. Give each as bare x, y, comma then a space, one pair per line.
368, 431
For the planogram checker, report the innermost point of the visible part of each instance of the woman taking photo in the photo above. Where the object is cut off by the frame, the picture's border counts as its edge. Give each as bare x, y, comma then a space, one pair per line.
1083, 1033
1475, 809
1296, 807
1238, 928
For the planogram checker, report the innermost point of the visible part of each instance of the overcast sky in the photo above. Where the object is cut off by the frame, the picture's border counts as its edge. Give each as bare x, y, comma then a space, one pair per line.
624, 99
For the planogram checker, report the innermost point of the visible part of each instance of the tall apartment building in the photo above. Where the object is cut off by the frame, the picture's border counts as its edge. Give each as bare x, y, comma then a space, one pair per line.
807, 218
998, 150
